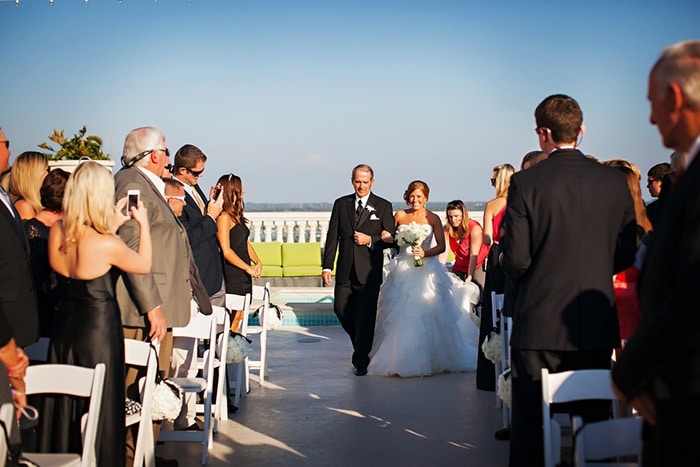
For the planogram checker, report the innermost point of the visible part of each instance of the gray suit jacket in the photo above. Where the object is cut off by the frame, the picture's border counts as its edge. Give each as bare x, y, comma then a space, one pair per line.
168, 284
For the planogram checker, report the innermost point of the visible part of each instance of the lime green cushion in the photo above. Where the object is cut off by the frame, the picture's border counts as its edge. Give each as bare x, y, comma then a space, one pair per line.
270, 254
301, 259
450, 255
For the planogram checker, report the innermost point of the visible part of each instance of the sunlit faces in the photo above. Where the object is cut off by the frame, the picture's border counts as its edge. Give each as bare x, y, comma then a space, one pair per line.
362, 182
417, 199
663, 114
454, 217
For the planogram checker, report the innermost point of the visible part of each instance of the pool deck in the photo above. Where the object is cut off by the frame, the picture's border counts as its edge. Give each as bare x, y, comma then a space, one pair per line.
312, 411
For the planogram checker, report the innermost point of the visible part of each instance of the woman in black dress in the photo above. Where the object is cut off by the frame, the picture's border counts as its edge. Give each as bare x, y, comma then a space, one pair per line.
233, 234
37, 228
87, 256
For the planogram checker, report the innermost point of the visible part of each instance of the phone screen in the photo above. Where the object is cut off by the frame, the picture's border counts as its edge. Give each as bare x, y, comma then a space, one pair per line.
217, 192
133, 202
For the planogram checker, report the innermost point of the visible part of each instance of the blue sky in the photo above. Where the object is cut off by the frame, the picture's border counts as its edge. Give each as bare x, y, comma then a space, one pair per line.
290, 95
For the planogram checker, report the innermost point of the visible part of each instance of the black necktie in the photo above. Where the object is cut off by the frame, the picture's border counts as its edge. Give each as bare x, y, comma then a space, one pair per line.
358, 211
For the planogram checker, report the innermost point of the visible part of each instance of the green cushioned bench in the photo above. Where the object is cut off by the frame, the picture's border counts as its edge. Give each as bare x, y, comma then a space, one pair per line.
301, 259
270, 254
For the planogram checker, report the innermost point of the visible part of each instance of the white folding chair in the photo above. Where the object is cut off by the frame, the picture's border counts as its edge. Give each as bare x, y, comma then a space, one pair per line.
607, 439
240, 302
75, 381
496, 309
7, 415
220, 404
201, 327
569, 386
39, 350
138, 353
261, 294
506, 326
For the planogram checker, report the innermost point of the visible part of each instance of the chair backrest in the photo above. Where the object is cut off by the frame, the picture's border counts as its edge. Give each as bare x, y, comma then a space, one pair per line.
240, 302
570, 386
607, 439
202, 327
75, 381
262, 293
139, 353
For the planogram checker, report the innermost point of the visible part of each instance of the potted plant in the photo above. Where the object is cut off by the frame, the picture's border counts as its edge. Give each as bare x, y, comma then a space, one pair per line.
75, 150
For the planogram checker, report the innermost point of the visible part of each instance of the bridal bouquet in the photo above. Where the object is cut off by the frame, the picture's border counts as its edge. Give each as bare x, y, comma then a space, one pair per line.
412, 234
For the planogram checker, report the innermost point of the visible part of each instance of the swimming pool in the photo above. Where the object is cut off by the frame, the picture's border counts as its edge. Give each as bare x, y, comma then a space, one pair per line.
305, 306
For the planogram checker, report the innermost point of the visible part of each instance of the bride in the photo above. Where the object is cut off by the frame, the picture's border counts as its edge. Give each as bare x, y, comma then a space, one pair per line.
420, 330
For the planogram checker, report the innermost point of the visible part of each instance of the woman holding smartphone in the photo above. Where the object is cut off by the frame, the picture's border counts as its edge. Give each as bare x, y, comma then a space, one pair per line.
233, 235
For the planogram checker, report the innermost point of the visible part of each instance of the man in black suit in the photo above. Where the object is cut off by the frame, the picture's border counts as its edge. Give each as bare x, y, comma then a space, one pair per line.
659, 369
19, 320
199, 219
655, 178
355, 231
569, 227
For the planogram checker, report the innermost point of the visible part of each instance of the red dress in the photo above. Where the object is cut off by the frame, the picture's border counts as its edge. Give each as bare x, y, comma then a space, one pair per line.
628, 314
462, 251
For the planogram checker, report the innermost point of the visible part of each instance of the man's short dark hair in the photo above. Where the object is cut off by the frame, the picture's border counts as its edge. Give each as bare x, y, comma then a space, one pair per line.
533, 157
658, 171
188, 156
562, 115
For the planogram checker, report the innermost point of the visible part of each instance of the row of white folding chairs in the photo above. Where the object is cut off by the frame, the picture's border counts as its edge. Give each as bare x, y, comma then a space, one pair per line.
596, 441
505, 326
136, 353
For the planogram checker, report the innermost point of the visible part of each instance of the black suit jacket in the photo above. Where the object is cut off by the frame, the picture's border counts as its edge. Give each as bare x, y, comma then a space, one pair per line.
17, 295
367, 261
201, 231
666, 346
569, 227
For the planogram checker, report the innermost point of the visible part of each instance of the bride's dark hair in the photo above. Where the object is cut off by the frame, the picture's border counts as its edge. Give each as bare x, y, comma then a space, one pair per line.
416, 185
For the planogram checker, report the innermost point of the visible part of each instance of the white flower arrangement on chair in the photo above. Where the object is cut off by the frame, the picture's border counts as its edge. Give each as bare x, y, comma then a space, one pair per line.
505, 387
492, 347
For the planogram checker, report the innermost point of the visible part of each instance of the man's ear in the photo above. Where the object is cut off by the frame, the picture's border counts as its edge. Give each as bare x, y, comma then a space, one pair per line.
675, 97
582, 131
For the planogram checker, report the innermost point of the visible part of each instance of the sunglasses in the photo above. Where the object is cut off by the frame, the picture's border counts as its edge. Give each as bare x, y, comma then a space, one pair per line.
7, 143
493, 182
181, 198
144, 154
195, 173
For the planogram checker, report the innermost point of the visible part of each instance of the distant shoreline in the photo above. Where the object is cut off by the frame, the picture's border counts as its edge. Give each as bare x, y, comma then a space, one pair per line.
436, 206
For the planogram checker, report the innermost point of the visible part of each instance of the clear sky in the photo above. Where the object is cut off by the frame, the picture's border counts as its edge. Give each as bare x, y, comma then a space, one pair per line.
290, 95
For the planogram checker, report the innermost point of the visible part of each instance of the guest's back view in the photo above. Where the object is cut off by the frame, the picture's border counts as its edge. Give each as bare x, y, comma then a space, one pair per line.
569, 227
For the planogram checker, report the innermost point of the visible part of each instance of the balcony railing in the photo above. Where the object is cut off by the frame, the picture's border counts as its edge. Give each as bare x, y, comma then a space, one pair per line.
298, 227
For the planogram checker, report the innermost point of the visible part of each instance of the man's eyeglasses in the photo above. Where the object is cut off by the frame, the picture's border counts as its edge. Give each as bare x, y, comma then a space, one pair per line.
195, 173
7, 143
181, 198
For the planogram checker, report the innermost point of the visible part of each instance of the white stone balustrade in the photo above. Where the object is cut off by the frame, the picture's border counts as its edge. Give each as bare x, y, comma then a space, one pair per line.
288, 226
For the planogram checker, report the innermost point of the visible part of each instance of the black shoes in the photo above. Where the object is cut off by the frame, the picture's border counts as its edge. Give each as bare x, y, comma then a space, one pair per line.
359, 371
503, 434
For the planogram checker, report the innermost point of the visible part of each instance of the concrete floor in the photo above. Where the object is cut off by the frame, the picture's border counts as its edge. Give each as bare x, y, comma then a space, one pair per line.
313, 411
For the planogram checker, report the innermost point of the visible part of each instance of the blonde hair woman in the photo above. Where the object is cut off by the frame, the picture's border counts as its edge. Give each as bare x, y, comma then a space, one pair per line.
24, 183
496, 208
87, 256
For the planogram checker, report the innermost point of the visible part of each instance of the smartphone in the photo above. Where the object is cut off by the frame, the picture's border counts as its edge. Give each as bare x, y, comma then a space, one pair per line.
217, 192
132, 200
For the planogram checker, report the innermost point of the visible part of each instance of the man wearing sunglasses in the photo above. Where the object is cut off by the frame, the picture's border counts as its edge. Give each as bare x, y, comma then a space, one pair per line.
198, 216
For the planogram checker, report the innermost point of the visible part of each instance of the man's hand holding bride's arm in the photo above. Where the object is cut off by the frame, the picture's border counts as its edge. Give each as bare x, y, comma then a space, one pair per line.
387, 237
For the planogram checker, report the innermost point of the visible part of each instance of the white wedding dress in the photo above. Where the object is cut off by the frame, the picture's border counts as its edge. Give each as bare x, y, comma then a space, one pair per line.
420, 329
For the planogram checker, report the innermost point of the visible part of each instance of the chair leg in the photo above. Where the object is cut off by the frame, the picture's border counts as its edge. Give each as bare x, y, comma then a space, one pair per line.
239, 383
263, 356
246, 364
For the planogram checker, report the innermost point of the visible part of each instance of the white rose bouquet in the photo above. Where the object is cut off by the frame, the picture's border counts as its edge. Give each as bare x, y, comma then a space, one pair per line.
412, 234
492, 347
505, 387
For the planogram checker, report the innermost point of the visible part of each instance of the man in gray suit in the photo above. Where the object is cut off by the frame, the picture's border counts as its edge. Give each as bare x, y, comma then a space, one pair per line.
151, 304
